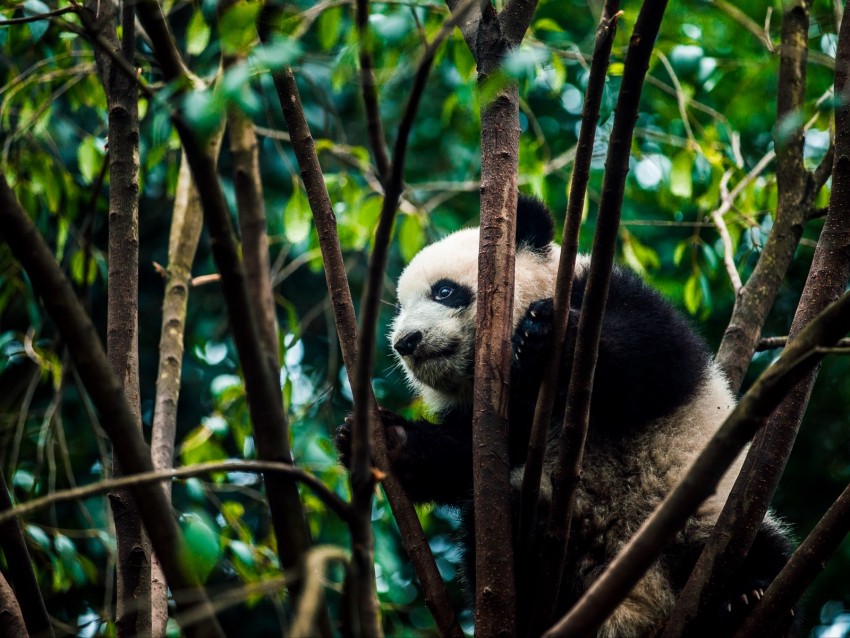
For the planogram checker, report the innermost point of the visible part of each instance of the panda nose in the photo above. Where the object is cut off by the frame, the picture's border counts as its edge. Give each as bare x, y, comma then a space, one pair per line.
407, 344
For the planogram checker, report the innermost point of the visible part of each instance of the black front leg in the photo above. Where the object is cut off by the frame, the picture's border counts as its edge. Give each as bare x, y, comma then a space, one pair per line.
433, 461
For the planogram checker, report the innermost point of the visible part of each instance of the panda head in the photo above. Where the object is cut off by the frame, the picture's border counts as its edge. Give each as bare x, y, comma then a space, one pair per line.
433, 334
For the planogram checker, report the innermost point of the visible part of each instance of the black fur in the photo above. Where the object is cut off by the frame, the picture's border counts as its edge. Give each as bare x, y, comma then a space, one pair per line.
534, 224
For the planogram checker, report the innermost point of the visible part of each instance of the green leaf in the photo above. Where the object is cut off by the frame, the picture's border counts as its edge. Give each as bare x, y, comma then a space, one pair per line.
237, 27
203, 549
197, 34
681, 182
89, 158
328, 27
297, 217
693, 293
410, 236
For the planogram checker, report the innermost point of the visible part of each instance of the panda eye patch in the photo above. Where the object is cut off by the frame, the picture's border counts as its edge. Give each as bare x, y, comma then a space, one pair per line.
451, 294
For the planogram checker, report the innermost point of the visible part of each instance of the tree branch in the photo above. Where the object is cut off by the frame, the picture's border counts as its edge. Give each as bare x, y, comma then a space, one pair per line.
107, 395
756, 484
413, 538
805, 564
701, 479
261, 381
576, 418
368, 86
605, 33
796, 196
17, 555
328, 497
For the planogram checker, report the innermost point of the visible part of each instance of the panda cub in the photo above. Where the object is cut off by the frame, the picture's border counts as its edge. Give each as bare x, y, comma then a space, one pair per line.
657, 399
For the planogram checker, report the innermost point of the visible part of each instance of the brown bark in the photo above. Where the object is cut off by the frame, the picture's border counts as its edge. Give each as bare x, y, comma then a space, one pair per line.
701, 479
576, 419
11, 619
563, 286
796, 196
106, 392
369, 89
186, 224
21, 572
261, 381
334, 502
251, 207
133, 576
745, 509
413, 538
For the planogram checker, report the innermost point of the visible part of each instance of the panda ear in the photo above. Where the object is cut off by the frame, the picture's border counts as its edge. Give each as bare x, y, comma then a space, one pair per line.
535, 227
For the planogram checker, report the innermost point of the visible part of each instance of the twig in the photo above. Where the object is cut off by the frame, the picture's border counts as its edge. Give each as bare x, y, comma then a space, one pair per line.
605, 34
413, 538
576, 419
107, 394
306, 620
329, 498
368, 87
39, 16
702, 477
766, 619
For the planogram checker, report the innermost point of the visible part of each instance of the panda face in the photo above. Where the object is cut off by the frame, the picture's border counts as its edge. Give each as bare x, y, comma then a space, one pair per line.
433, 335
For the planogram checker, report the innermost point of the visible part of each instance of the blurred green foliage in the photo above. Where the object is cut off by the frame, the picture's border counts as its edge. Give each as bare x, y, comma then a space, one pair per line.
708, 110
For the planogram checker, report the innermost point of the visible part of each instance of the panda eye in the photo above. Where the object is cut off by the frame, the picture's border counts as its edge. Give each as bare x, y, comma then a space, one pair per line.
443, 293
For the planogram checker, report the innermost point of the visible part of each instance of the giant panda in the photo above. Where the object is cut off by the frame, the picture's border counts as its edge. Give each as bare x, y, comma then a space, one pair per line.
658, 397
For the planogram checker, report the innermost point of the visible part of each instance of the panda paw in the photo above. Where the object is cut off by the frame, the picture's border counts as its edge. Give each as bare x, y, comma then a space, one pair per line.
532, 338
736, 608
393, 428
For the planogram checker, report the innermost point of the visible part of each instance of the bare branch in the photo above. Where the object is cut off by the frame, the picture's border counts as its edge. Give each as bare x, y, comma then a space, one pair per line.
39, 16
605, 33
805, 564
413, 537
756, 484
702, 477
796, 195
576, 418
17, 555
368, 86
261, 380
107, 394
329, 498
311, 606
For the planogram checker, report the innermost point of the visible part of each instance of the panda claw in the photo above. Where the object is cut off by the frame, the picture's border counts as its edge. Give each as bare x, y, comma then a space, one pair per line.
729, 607
756, 594
744, 599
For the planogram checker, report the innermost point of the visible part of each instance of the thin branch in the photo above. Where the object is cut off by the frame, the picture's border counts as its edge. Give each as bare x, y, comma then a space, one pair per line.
368, 86
702, 477
261, 381
772, 343
605, 34
766, 619
17, 555
756, 484
576, 419
328, 497
107, 394
307, 617
413, 537
39, 16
